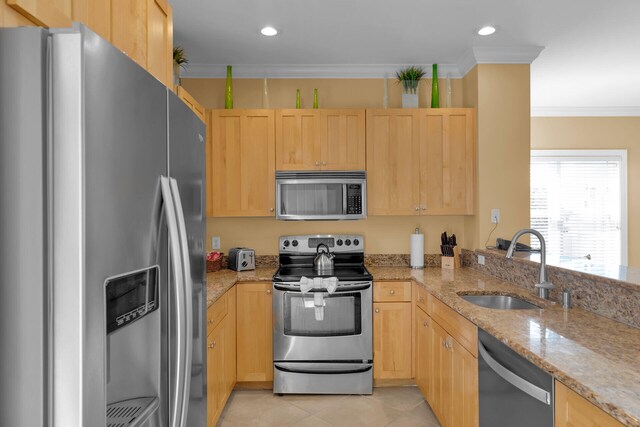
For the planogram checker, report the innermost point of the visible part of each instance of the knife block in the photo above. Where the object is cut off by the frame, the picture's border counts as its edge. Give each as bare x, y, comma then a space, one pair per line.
451, 262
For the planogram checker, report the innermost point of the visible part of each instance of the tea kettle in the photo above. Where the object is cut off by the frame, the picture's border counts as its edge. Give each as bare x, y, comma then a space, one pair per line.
323, 261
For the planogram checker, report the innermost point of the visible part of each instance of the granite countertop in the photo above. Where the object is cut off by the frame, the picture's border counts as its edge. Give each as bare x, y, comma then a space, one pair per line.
597, 357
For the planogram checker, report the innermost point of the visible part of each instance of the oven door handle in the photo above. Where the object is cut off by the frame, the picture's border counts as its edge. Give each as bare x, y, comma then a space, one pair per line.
344, 288
323, 368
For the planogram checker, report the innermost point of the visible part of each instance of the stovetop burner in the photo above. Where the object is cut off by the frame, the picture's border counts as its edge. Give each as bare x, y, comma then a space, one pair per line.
298, 252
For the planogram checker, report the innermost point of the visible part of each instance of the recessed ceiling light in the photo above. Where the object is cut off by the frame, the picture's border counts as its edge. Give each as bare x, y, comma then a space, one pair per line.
486, 31
269, 31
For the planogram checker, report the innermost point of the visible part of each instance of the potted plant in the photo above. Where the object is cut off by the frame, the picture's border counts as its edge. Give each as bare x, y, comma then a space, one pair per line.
179, 61
410, 78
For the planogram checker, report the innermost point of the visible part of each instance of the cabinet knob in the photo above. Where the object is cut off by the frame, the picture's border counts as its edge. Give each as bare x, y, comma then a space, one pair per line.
210, 321
268, 291
420, 299
377, 310
392, 291
324, 163
271, 209
417, 208
212, 344
424, 208
444, 343
426, 323
317, 163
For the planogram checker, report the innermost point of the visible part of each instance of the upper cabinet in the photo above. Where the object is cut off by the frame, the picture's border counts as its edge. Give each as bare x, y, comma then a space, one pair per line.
142, 29
421, 161
393, 162
447, 161
320, 139
240, 163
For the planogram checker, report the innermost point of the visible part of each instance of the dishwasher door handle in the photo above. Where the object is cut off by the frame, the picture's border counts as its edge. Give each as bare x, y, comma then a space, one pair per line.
513, 379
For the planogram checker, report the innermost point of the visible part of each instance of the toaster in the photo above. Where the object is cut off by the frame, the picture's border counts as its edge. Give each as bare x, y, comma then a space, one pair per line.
241, 259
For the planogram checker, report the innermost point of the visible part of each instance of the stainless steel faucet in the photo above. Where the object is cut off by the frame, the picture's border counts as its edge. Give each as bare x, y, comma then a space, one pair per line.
543, 285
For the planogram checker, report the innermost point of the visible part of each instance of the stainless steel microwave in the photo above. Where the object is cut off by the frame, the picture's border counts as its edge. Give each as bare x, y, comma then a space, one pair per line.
326, 195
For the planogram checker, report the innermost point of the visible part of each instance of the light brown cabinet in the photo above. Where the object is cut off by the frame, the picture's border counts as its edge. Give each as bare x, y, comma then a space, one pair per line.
573, 410
255, 332
221, 354
142, 29
393, 162
320, 139
421, 161
423, 353
240, 163
392, 331
447, 161
192, 103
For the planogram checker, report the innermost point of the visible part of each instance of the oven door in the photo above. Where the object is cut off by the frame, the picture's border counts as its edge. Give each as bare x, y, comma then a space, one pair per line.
343, 334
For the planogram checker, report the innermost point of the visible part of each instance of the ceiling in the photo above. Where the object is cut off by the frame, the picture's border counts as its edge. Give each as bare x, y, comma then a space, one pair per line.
590, 64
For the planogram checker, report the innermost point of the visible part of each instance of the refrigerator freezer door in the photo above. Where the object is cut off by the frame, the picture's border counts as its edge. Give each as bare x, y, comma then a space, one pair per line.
187, 166
109, 151
23, 223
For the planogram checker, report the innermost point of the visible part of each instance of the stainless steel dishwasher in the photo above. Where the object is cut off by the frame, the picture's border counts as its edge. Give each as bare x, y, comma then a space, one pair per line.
513, 391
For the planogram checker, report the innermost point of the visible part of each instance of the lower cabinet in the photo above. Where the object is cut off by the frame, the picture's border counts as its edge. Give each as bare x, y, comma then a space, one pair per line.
255, 332
392, 331
221, 354
573, 410
446, 371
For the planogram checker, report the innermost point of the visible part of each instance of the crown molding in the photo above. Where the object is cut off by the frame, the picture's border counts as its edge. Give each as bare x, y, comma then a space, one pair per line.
585, 111
475, 55
311, 71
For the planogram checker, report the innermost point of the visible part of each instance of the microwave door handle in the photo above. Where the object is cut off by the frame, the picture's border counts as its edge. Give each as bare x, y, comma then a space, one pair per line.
175, 410
344, 199
188, 300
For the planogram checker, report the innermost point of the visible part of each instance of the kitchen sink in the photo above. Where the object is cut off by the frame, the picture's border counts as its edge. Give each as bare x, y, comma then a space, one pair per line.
500, 302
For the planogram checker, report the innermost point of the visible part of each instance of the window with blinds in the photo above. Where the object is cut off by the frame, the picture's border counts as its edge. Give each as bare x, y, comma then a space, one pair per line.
578, 203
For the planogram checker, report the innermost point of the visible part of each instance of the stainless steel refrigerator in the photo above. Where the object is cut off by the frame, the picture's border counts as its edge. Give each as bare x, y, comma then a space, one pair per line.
102, 270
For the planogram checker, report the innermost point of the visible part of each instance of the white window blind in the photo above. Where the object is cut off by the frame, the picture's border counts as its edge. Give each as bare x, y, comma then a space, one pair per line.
578, 203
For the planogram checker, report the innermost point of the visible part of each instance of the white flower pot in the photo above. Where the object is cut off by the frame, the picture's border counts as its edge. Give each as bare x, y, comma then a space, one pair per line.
409, 100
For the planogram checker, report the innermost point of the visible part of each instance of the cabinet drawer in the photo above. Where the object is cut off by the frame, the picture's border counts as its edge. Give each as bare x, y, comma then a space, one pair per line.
422, 298
216, 312
391, 291
461, 329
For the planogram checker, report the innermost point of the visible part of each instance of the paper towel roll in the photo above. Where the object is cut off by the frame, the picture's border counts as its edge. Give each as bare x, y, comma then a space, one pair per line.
417, 250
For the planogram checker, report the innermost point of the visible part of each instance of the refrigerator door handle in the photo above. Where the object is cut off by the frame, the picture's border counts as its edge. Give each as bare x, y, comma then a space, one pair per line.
188, 299
177, 401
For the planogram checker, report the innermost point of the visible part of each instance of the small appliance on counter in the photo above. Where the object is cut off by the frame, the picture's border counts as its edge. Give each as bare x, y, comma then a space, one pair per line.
242, 259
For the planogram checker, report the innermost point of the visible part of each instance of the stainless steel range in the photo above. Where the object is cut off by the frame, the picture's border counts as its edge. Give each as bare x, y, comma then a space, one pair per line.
322, 316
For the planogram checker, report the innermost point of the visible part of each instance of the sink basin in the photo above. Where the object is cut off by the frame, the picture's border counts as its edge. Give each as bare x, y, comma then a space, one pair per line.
499, 302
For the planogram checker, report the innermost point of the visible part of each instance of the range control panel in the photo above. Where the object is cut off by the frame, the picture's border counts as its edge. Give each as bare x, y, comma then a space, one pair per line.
306, 244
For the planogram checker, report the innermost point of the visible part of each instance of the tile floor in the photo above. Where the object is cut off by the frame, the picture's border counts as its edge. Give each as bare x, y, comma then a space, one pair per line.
387, 406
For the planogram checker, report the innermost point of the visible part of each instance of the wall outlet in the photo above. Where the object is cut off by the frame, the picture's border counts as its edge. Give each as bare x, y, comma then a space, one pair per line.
215, 243
481, 259
495, 216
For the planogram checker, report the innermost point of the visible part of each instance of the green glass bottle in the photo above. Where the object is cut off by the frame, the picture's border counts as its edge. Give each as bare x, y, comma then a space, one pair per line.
297, 98
435, 96
228, 93
315, 98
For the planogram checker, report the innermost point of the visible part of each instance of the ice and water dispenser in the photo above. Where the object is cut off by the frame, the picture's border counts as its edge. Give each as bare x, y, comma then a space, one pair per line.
134, 349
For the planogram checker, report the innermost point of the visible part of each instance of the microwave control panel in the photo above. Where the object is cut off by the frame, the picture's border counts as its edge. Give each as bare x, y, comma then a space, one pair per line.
354, 199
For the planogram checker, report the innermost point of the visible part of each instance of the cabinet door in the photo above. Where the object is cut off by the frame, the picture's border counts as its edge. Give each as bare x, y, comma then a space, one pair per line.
342, 135
423, 353
241, 179
160, 41
215, 373
393, 162
573, 410
129, 29
44, 13
230, 343
392, 340
191, 103
255, 332
298, 140
464, 387
447, 161
441, 375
